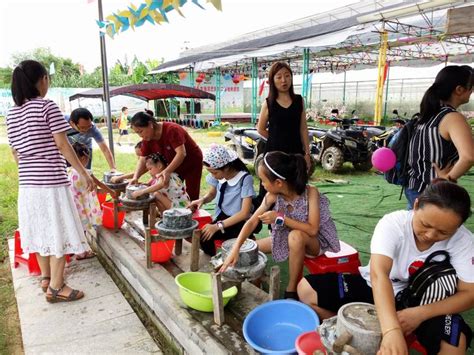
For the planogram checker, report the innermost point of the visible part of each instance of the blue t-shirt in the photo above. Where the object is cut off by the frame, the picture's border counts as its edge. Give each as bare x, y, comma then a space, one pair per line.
235, 191
84, 138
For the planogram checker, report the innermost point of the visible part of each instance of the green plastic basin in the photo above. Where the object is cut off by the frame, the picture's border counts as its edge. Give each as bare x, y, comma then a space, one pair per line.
195, 289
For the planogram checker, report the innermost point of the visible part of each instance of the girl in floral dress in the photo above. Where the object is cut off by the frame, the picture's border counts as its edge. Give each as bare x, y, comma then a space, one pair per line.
167, 195
300, 218
87, 202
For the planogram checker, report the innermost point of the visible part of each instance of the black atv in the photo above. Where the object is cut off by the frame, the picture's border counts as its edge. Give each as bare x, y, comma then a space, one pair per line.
344, 143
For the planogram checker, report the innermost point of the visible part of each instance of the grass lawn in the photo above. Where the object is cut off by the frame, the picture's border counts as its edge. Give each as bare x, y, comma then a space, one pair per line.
356, 207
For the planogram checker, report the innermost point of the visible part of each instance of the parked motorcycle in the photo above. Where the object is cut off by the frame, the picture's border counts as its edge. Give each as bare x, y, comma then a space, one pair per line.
250, 145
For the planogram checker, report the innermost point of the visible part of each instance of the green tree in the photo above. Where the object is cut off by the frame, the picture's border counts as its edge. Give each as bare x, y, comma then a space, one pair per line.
5, 77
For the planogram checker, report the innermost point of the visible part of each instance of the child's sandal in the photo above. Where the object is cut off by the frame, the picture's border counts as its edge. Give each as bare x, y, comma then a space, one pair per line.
44, 286
55, 297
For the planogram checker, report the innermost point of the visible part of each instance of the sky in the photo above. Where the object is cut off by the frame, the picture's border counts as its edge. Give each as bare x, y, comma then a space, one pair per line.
68, 27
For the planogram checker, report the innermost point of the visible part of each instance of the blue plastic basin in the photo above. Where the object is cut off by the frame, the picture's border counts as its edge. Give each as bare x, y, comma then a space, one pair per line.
272, 328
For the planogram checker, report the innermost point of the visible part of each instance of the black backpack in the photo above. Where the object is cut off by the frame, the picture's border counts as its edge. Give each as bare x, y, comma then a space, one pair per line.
398, 175
433, 282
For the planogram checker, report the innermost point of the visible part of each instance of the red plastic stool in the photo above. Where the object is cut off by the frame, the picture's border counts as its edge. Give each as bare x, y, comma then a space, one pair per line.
346, 260
28, 260
414, 344
203, 217
218, 243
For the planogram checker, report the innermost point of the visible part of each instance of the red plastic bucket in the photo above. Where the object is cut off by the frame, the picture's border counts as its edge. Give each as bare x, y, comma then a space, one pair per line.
162, 250
108, 215
102, 197
307, 343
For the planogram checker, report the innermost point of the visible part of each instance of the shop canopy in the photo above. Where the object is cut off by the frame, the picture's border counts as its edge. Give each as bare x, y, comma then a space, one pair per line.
147, 92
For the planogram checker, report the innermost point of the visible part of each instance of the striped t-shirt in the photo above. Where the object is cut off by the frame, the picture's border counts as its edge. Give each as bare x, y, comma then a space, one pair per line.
30, 129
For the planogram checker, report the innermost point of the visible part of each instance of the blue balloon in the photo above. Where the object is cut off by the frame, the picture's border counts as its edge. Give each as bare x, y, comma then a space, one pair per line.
227, 76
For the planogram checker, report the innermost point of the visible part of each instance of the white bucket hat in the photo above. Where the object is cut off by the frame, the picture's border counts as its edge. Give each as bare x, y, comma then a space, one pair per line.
218, 156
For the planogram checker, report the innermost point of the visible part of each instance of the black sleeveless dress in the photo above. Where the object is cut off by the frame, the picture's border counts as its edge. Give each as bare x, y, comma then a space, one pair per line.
284, 127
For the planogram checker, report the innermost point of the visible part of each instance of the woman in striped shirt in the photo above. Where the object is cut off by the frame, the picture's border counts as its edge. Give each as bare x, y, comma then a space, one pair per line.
48, 220
442, 145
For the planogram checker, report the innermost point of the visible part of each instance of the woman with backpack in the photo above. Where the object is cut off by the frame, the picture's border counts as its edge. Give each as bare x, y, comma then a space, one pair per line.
401, 246
442, 145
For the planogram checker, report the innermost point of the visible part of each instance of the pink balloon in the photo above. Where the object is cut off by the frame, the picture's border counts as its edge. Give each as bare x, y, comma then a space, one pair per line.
383, 159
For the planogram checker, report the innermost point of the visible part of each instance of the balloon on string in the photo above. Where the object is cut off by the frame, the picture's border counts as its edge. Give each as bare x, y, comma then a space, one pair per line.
384, 159
227, 76
182, 75
199, 79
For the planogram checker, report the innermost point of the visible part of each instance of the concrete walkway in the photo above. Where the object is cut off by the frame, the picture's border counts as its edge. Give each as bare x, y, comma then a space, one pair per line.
101, 323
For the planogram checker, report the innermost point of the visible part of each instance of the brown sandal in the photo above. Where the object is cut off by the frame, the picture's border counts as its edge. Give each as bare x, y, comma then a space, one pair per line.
86, 255
55, 297
42, 280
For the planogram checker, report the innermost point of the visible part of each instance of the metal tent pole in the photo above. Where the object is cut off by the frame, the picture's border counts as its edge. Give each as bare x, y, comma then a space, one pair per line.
305, 90
386, 92
217, 103
191, 83
105, 79
254, 89
344, 89
381, 68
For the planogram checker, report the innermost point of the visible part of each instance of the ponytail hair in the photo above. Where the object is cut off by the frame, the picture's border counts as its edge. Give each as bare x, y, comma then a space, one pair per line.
290, 168
447, 195
156, 158
142, 119
24, 79
444, 85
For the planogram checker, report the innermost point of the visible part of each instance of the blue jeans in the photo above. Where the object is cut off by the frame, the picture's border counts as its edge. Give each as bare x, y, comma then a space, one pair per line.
411, 196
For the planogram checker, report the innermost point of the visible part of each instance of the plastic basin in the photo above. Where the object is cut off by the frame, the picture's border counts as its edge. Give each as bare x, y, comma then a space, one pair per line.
195, 289
307, 343
108, 215
273, 327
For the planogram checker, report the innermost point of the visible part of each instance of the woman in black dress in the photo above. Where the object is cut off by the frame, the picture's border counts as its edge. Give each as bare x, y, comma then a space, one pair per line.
282, 118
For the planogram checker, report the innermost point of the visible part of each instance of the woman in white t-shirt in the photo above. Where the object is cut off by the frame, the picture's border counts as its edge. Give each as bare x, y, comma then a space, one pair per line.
401, 242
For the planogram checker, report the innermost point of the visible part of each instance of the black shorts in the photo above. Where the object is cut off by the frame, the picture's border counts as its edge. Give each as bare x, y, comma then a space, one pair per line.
335, 290
123, 132
447, 328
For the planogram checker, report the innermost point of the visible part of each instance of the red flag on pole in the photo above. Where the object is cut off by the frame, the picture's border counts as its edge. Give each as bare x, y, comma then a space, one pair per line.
262, 86
385, 71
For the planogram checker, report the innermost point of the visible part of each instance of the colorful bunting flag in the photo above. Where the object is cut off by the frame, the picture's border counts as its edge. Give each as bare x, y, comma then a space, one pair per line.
152, 11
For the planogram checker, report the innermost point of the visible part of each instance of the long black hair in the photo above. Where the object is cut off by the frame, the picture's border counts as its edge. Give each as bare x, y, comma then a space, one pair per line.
447, 195
24, 79
444, 85
142, 119
290, 166
273, 92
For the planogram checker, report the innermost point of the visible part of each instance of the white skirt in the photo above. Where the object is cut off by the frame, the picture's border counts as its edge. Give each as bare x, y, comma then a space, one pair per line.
49, 222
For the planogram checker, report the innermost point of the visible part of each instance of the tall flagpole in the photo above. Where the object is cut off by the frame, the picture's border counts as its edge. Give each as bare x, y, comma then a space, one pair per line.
105, 80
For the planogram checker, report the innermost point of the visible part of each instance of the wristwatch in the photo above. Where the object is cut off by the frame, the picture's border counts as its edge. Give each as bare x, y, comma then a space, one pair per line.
280, 219
220, 225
